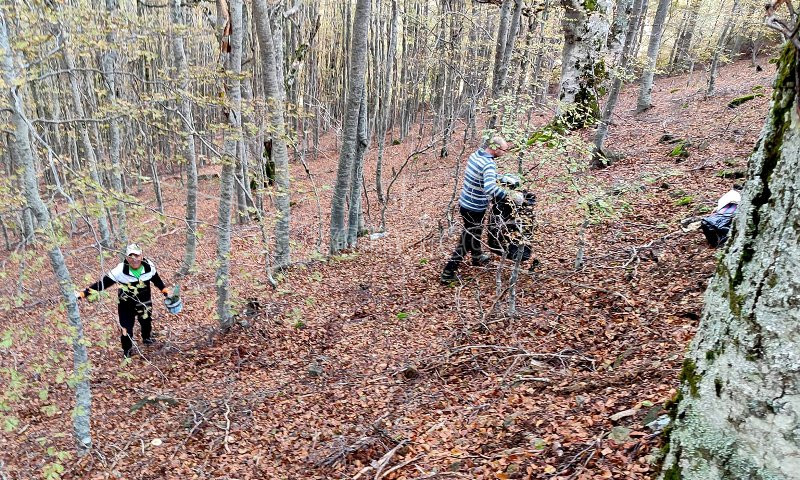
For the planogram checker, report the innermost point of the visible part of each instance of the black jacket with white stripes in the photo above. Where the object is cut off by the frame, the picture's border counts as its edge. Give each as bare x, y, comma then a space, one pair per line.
132, 291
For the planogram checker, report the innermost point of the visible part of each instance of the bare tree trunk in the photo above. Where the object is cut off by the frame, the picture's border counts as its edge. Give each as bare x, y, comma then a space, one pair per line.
21, 148
86, 143
355, 216
538, 85
646, 86
385, 104
280, 154
721, 46
231, 35
599, 159
357, 70
108, 62
185, 108
681, 60
500, 45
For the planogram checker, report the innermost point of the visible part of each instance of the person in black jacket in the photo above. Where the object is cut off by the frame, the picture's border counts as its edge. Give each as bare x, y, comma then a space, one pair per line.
133, 276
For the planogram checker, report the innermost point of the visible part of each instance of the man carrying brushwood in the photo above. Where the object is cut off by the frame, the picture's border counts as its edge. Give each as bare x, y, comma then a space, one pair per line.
480, 185
134, 275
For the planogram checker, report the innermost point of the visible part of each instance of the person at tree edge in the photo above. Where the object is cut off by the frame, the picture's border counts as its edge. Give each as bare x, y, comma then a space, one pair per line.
480, 184
134, 275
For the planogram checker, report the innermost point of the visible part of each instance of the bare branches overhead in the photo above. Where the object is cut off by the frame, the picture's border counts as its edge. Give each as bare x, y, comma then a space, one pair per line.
787, 27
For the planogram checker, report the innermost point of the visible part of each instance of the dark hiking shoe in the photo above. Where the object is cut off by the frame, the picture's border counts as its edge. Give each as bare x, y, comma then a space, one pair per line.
148, 341
448, 276
481, 260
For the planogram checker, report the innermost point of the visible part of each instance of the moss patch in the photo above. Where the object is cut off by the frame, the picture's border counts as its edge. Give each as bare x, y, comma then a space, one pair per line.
689, 376
743, 99
673, 473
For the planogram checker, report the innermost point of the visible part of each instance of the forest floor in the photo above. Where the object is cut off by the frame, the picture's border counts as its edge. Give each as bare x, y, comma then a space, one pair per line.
363, 365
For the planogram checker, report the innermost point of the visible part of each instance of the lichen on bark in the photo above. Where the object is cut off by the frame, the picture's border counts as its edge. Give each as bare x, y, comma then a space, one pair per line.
583, 73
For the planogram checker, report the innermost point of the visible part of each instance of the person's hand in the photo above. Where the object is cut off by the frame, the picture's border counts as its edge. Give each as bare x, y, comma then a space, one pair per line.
165, 291
517, 197
79, 295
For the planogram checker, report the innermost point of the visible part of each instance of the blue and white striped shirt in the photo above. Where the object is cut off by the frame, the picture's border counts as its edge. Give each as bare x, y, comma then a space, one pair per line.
480, 182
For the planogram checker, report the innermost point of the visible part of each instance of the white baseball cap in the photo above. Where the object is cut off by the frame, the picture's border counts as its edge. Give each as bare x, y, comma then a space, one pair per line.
133, 249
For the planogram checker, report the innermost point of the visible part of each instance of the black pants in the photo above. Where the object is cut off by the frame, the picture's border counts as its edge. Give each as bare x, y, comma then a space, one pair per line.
470, 240
128, 314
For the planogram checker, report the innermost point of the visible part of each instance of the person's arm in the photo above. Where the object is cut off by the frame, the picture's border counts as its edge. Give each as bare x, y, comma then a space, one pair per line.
98, 286
159, 284
490, 185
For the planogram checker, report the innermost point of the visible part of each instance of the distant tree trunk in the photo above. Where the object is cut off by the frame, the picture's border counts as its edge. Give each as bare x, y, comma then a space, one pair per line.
737, 409
108, 62
231, 38
86, 143
357, 69
599, 159
20, 147
585, 25
279, 152
185, 107
646, 86
721, 45
500, 43
681, 59
539, 85
508, 49
385, 104
355, 221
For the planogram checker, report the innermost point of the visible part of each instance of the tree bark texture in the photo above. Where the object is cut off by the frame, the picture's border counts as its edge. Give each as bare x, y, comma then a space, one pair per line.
20, 148
619, 27
358, 60
585, 25
738, 415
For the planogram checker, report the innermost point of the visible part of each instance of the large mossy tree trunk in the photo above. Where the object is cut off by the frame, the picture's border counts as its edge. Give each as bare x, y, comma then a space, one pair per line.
586, 25
738, 415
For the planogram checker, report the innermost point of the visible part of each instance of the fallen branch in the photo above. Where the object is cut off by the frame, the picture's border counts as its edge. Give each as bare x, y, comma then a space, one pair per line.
379, 465
399, 466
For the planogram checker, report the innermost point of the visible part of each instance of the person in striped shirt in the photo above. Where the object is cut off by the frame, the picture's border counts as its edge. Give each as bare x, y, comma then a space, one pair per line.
480, 185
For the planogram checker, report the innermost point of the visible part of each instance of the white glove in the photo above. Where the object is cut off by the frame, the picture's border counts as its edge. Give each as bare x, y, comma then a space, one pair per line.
517, 197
